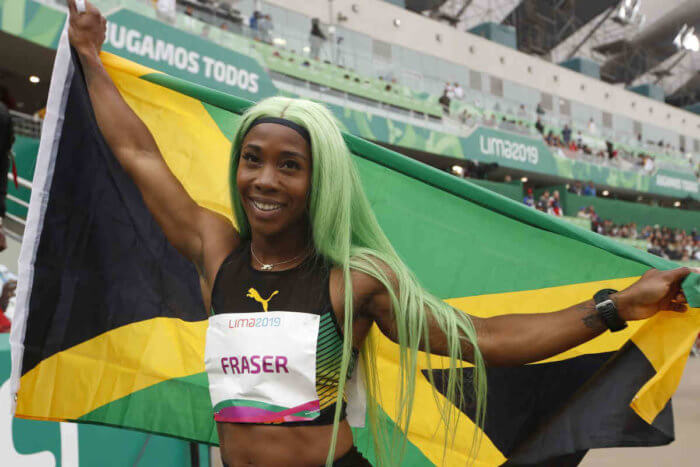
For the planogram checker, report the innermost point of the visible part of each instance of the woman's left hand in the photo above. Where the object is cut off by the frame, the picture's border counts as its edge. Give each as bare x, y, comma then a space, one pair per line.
655, 291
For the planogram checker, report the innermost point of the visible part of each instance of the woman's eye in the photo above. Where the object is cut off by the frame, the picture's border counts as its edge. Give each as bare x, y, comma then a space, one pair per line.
290, 164
250, 157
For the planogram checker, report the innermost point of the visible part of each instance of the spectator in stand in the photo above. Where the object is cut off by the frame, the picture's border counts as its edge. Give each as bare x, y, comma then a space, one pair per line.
7, 139
445, 102
8, 291
317, 38
539, 109
253, 24
591, 126
550, 139
458, 92
264, 27
449, 90
566, 134
339, 55
669, 243
543, 202
529, 200
589, 190
521, 111
654, 247
555, 204
576, 188
648, 164
539, 126
612, 153
165, 10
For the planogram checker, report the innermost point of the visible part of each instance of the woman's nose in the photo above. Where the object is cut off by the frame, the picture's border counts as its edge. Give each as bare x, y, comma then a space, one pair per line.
267, 178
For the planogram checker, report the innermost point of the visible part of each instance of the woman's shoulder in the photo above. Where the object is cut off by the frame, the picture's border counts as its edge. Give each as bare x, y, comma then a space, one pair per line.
364, 272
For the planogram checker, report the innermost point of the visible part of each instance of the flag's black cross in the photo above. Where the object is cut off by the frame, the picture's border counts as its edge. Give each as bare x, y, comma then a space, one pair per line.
552, 413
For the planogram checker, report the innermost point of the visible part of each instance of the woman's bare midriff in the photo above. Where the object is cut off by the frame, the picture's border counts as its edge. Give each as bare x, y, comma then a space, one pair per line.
264, 445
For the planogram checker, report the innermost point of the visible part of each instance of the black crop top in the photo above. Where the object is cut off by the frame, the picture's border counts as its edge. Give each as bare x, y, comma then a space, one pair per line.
239, 288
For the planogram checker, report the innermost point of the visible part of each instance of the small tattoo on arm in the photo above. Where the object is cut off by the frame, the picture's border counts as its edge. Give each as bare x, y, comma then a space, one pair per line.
594, 322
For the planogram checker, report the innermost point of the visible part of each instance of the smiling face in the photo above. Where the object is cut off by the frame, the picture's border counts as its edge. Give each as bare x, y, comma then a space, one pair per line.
274, 179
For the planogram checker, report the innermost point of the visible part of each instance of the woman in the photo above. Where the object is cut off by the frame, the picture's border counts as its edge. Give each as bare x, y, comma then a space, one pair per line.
308, 250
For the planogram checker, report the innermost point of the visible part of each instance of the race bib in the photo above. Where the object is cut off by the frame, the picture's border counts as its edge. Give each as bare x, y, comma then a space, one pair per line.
262, 366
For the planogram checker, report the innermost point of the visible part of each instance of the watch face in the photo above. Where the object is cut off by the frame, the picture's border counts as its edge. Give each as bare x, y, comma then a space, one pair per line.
605, 306
602, 295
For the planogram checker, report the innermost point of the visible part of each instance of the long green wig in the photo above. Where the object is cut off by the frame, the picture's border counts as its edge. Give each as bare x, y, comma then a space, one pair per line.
346, 233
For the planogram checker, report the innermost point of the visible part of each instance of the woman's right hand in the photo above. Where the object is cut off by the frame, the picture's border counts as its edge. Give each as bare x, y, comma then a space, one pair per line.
86, 30
8, 291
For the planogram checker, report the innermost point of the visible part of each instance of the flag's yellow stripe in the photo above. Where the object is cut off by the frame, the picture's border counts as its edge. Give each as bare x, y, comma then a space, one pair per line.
112, 366
116, 63
665, 340
426, 427
542, 301
190, 141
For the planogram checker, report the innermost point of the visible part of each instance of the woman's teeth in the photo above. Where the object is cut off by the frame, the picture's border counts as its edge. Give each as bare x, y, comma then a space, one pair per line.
266, 206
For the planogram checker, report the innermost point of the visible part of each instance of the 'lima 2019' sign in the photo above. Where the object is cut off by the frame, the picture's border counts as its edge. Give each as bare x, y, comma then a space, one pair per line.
503, 148
164, 48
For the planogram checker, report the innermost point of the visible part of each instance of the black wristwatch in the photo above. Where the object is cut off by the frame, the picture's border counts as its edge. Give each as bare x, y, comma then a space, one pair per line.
608, 311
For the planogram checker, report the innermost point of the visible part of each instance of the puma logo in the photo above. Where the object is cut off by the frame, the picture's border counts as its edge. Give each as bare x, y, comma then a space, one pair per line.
252, 293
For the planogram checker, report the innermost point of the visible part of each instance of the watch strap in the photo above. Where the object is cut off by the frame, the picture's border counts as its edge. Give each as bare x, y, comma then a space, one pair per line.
608, 311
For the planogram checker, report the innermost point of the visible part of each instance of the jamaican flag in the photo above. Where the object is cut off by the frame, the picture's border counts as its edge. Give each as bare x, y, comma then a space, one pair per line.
110, 326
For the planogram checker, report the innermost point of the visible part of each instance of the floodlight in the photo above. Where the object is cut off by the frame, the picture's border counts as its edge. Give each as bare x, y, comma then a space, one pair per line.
686, 39
628, 11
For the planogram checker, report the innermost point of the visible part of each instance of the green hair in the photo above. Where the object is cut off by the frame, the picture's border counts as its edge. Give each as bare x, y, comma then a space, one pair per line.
346, 233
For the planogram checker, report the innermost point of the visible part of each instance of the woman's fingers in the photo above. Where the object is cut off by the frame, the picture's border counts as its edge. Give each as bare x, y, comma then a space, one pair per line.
678, 307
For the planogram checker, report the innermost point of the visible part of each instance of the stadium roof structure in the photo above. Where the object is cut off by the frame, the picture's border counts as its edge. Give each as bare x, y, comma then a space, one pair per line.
630, 52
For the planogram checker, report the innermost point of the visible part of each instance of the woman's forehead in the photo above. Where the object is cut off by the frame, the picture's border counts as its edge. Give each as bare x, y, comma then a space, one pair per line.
270, 135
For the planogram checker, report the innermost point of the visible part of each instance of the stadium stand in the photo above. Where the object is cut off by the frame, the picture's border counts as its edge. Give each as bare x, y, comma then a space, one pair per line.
475, 108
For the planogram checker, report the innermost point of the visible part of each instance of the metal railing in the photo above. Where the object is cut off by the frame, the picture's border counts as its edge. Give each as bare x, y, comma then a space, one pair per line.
25, 124
13, 224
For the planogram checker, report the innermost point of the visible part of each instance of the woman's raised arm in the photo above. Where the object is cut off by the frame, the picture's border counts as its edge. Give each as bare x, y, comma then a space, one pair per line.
510, 340
201, 235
